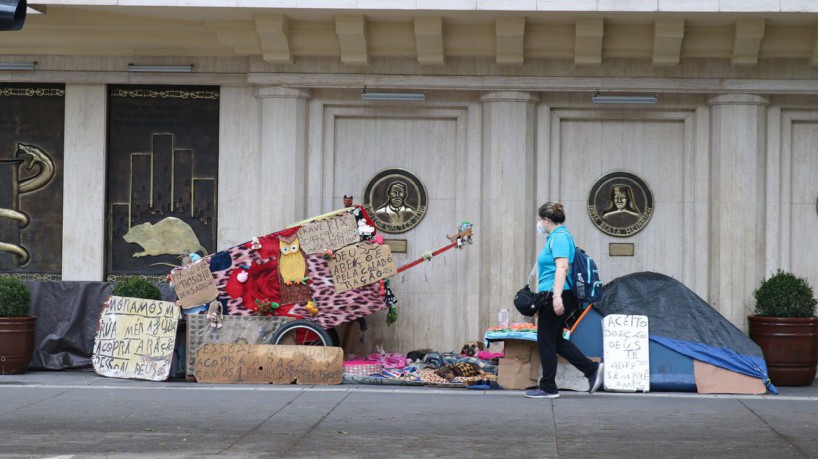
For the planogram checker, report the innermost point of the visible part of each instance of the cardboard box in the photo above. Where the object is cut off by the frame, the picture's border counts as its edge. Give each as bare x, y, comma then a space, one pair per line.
520, 368
519, 349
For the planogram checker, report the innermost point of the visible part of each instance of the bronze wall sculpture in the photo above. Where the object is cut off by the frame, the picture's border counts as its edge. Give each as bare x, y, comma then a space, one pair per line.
396, 200
620, 204
163, 151
32, 120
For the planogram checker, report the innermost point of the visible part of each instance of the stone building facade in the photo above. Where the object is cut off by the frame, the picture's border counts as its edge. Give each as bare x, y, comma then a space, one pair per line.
508, 122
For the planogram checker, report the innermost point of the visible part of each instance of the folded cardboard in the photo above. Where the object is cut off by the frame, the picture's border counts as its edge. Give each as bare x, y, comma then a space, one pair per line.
520, 368
519, 349
570, 378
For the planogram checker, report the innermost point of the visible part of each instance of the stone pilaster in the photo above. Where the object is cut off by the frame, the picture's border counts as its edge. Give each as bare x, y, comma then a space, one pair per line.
737, 212
83, 246
281, 190
508, 208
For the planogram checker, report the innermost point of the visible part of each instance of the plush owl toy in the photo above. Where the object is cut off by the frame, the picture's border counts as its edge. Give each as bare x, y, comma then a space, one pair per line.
292, 265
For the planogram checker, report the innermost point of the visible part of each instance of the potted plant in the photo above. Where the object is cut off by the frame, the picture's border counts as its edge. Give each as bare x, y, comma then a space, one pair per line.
16, 327
137, 287
786, 329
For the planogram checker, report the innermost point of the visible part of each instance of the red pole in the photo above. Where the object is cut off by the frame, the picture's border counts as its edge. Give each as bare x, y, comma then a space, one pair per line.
421, 259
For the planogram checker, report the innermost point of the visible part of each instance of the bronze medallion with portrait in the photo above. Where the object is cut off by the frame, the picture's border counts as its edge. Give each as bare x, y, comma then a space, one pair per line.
396, 200
620, 204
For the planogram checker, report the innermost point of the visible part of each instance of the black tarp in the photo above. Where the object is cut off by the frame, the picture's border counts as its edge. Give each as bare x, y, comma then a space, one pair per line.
67, 316
675, 312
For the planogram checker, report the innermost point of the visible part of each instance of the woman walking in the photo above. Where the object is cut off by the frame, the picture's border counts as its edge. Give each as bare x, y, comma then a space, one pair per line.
554, 261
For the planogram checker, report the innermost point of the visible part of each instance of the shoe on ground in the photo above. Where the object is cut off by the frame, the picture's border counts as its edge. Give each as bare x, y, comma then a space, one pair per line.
596, 378
539, 393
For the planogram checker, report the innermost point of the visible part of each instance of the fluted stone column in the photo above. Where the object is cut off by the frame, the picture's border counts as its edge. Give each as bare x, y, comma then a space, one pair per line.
737, 215
508, 208
281, 191
83, 240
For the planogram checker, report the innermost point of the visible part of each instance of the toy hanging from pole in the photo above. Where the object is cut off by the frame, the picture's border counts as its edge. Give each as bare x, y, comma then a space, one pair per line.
465, 233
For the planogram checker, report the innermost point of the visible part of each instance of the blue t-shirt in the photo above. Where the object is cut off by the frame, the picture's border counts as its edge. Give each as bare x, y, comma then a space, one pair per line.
558, 244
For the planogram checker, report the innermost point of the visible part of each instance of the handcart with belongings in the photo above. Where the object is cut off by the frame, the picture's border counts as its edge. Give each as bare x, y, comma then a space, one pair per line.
322, 272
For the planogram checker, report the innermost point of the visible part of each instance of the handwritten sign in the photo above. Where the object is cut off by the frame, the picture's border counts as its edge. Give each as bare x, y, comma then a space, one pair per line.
235, 329
135, 339
194, 284
625, 347
361, 264
329, 234
269, 364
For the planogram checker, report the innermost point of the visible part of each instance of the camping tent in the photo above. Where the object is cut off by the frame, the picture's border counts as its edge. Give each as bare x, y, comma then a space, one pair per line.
692, 347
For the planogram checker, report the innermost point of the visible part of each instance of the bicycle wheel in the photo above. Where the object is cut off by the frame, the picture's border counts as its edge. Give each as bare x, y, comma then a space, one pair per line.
302, 333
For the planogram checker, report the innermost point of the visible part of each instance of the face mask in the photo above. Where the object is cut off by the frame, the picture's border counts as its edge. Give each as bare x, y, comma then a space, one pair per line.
540, 228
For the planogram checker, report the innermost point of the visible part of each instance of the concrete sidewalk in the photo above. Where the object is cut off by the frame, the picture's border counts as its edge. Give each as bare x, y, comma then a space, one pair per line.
80, 414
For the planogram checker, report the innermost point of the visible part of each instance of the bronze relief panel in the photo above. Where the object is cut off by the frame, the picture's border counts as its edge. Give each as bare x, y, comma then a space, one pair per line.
396, 200
162, 168
620, 204
32, 121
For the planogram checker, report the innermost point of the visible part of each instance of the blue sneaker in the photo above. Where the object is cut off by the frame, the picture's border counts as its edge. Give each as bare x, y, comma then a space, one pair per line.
539, 393
596, 379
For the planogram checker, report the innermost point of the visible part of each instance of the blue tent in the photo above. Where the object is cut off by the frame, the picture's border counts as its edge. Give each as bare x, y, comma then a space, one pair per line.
682, 328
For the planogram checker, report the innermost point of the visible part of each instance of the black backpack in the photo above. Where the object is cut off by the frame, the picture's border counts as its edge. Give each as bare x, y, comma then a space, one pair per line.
584, 277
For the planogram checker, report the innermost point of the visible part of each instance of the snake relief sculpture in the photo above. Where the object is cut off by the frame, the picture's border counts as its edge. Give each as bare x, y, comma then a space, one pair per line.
33, 159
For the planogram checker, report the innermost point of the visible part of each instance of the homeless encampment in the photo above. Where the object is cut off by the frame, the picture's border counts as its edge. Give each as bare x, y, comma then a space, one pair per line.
692, 347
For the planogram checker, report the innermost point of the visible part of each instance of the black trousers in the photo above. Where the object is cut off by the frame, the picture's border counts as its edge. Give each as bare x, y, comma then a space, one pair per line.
550, 343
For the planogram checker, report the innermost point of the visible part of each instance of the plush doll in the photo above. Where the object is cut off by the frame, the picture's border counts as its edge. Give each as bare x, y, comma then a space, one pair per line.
365, 230
463, 235
214, 314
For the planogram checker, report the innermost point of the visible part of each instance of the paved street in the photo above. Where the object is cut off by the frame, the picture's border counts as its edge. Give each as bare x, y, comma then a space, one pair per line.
80, 414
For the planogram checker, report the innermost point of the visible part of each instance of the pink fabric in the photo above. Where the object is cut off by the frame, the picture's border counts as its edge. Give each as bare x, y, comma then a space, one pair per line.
360, 362
486, 355
389, 360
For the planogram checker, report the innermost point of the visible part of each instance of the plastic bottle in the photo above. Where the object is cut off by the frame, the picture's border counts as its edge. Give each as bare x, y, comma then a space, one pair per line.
502, 317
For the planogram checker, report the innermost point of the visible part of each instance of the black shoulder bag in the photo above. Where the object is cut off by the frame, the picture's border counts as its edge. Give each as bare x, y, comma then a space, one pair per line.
526, 301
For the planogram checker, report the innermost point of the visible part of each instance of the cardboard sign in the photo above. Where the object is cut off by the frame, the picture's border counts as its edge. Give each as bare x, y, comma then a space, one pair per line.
194, 284
625, 347
269, 364
135, 338
235, 329
330, 234
361, 264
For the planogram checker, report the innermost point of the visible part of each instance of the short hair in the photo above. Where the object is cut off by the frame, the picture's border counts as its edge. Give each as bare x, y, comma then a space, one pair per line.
394, 184
553, 211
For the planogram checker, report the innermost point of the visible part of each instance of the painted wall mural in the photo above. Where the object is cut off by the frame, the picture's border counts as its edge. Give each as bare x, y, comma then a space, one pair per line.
32, 121
162, 169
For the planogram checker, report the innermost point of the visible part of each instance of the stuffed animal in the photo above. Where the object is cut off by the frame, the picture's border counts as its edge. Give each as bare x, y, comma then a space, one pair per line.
365, 230
471, 348
463, 235
214, 314
417, 356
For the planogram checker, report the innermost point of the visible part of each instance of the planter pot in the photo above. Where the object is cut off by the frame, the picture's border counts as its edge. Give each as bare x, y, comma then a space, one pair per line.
790, 347
16, 344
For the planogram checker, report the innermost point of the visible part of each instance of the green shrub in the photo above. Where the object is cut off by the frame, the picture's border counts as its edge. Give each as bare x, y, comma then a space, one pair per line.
137, 287
15, 301
784, 295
